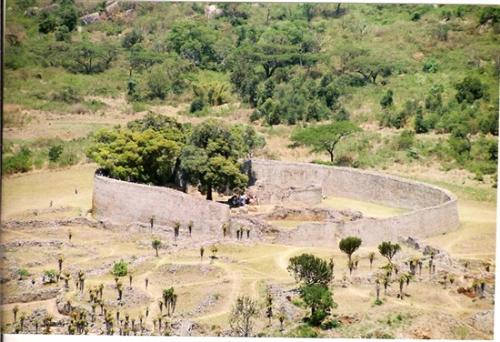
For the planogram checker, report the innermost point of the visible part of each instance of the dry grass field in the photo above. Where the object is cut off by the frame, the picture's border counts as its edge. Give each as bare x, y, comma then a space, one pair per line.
206, 291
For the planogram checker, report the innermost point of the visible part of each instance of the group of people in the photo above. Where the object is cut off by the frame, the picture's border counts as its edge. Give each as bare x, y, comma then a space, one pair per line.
239, 200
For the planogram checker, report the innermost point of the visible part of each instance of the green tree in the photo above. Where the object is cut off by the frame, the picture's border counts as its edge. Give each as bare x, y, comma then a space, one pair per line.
470, 90
167, 78
319, 299
147, 151
211, 160
195, 41
309, 269
156, 245
388, 249
349, 245
324, 137
89, 57
120, 269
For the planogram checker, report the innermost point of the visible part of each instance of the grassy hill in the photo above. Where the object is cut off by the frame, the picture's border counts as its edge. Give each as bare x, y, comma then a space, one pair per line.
421, 80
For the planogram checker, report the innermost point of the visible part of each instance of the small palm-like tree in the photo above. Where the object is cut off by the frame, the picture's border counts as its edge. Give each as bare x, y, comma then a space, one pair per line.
202, 251
177, 226
190, 227
269, 307
281, 317
22, 318
170, 300
70, 235
156, 245
60, 263
152, 222
386, 281
47, 322
108, 322
402, 281
66, 277
371, 257
119, 288
225, 228
101, 289
15, 310
81, 280
214, 251
146, 283
130, 277
377, 290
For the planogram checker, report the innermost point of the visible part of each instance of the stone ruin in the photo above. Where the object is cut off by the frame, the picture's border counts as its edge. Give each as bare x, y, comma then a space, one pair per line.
294, 189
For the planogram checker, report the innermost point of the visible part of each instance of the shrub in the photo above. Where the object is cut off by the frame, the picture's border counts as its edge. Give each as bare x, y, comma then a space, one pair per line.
67, 95
68, 158
469, 90
331, 324
19, 162
430, 66
55, 152
197, 105
441, 32
415, 16
50, 276
120, 269
23, 273
304, 331
387, 99
132, 38
405, 140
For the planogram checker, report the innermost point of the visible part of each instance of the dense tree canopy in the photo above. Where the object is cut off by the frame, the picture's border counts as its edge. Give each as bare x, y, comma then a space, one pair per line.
158, 150
309, 269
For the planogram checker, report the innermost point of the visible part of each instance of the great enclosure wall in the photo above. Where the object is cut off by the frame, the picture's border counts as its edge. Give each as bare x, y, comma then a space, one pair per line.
431, 210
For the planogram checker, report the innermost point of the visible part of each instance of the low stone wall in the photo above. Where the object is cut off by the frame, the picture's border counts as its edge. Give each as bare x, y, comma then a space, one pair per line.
434, 210
119, 202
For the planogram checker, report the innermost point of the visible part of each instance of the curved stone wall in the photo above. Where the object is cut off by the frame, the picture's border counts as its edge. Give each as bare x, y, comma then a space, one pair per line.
434, 210
119, 202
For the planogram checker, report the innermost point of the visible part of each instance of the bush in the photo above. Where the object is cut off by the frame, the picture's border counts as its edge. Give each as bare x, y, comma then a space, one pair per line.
331, 324
441, 33
304, 331
68, 158
132, 38
197, 105
415, 16
387, 99
50, 276
55, 152
23, 273
470, 90
19, 162
120, 269
430, 66
67, 95
405, 140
